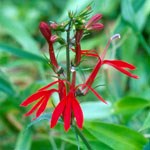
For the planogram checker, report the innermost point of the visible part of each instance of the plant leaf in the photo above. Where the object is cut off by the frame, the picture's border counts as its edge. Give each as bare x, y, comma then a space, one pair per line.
24, 140
146, 124
19, 52
129, 105
115, 136
95, 110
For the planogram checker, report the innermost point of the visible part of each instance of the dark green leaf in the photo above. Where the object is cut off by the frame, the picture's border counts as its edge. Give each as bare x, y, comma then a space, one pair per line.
6, 86
20, 53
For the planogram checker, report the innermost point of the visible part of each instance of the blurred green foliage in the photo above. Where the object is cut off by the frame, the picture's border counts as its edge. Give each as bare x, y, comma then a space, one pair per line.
123, 124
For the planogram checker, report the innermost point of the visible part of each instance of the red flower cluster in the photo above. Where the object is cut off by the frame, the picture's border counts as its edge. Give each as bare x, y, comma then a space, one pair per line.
68, 107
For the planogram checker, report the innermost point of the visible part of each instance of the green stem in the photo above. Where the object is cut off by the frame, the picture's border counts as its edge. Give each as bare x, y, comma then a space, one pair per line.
82, 138
68, 54
77, 138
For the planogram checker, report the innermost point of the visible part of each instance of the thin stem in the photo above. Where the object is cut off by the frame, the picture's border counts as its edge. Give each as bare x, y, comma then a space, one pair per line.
68, 54
82, 138
77, 138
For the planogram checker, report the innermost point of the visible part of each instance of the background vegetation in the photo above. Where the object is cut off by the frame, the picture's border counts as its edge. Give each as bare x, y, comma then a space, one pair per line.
122, 124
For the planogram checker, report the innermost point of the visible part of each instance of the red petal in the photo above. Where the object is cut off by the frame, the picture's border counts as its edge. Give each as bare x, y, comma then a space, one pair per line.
119, 63
78, 114
67, 113
49, 85
57, 112
34, 108
124, 71
96, 94
33, 98
62, 90
44, 103
93, 74
90, 53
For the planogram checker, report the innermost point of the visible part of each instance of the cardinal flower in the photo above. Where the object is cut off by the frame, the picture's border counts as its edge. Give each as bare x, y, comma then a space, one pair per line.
69, 107
120, 65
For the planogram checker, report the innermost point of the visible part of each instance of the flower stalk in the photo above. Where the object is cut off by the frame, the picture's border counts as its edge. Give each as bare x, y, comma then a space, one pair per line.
69, 90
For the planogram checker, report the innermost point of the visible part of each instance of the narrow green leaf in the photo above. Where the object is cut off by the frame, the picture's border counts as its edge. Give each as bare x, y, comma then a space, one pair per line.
6, 86
128, 12
129, 16
24, 140
45, 116
146, 124
115, 136
19, 52
130, 104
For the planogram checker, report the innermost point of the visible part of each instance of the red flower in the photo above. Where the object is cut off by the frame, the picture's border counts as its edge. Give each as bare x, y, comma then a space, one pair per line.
45, 30
92, 23
68, 107
117, 64
42, 96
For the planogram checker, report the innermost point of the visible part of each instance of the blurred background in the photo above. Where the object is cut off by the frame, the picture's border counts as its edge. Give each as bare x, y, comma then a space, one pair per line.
24, 69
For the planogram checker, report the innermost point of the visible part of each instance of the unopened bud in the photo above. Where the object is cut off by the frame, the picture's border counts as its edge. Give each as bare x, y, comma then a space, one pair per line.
53, 38
54, 25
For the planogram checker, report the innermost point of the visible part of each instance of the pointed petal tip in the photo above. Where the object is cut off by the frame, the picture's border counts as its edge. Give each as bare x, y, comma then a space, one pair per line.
136, 77
66, 128
23, 104
105, 102
52, 125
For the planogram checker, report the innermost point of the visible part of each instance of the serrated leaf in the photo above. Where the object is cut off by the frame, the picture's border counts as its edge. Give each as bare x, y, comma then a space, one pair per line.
19, 52
115, 136
24, 140
130, 104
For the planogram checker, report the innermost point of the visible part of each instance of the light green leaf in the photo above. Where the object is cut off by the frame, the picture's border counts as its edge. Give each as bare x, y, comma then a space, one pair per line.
129, 105
24, 140
95, 110
115, 136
